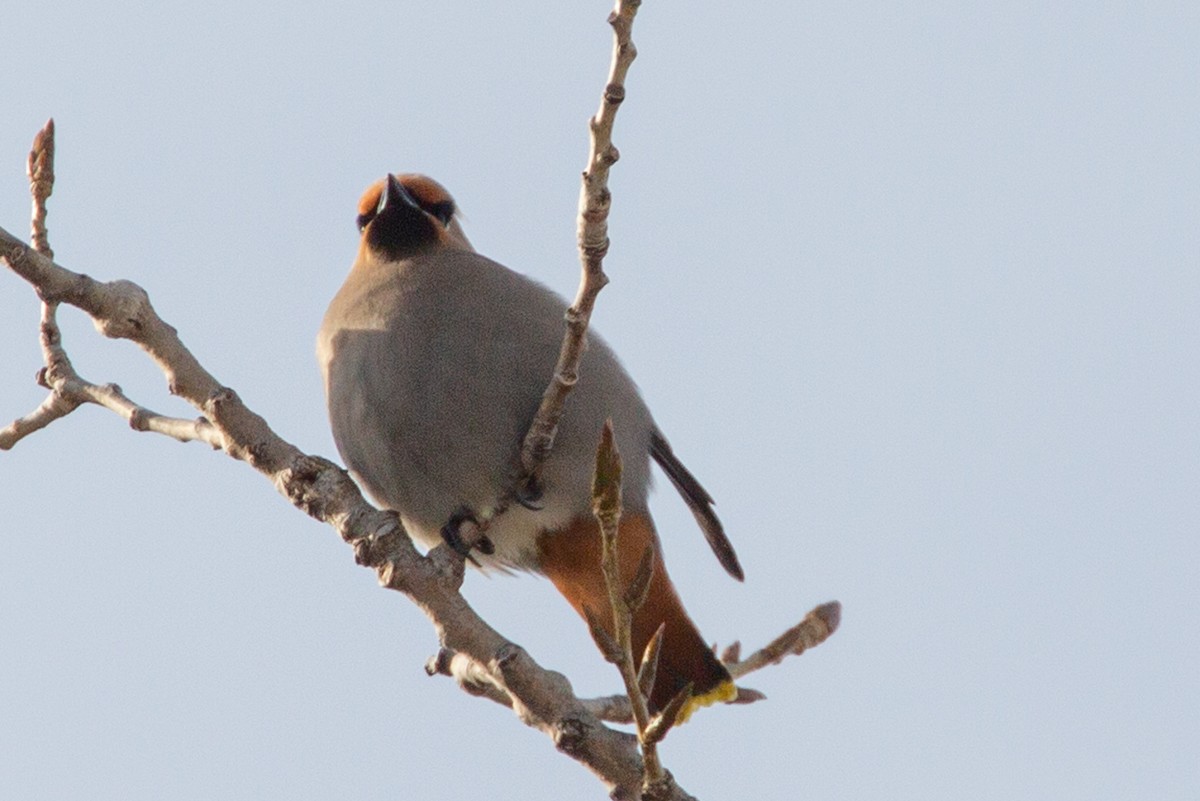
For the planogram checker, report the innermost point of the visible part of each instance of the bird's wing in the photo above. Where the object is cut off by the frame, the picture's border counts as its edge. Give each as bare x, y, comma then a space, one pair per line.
698, 500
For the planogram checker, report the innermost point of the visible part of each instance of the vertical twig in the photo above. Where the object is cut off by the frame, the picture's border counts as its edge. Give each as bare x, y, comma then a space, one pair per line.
595, 201
40, 169
606, 504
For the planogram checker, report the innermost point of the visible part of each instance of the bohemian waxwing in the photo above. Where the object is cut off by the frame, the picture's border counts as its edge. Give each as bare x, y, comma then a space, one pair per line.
435, 359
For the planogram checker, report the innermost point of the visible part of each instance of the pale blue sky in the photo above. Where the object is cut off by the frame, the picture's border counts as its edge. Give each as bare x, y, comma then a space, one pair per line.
914, 291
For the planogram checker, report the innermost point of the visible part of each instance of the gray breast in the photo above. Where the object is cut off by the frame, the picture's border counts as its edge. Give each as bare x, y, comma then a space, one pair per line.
434, 370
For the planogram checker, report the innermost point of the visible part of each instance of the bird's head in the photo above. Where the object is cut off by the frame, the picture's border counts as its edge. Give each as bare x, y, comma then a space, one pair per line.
401, 216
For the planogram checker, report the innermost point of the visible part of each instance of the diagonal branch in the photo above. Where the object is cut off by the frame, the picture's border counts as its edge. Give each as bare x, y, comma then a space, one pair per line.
816, 627
120, 309
541, 698
68, 391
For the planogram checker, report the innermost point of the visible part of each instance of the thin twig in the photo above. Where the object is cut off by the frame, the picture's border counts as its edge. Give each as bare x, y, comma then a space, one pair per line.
594, 203
814, 629
606, 505
40, 169
68, 390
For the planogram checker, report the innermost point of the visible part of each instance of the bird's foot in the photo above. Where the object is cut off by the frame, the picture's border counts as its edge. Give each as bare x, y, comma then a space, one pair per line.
529, 494
463, 534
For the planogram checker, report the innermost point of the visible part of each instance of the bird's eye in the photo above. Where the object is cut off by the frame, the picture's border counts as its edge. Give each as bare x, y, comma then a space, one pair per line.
365, 219
443, 210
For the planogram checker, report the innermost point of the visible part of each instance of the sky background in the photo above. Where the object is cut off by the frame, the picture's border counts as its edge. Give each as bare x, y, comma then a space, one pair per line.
915, 291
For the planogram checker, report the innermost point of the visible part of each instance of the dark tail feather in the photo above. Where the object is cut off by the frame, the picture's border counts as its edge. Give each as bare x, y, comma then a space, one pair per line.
698, 500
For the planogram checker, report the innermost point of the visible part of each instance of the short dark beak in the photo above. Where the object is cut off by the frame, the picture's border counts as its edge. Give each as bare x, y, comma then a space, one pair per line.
394, 193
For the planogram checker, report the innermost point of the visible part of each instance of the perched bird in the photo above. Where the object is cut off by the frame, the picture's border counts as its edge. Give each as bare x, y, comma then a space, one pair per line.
435, 359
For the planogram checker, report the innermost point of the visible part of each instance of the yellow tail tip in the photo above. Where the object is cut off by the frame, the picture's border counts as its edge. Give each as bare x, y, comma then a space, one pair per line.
724, 692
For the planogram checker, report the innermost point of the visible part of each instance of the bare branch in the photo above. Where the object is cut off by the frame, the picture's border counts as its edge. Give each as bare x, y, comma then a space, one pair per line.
481, 660
40, 169
594, 203
39, 166
816, 627
542, 699
611, 708
68, 390
471, 676
606, 505
50, 409
474, 679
